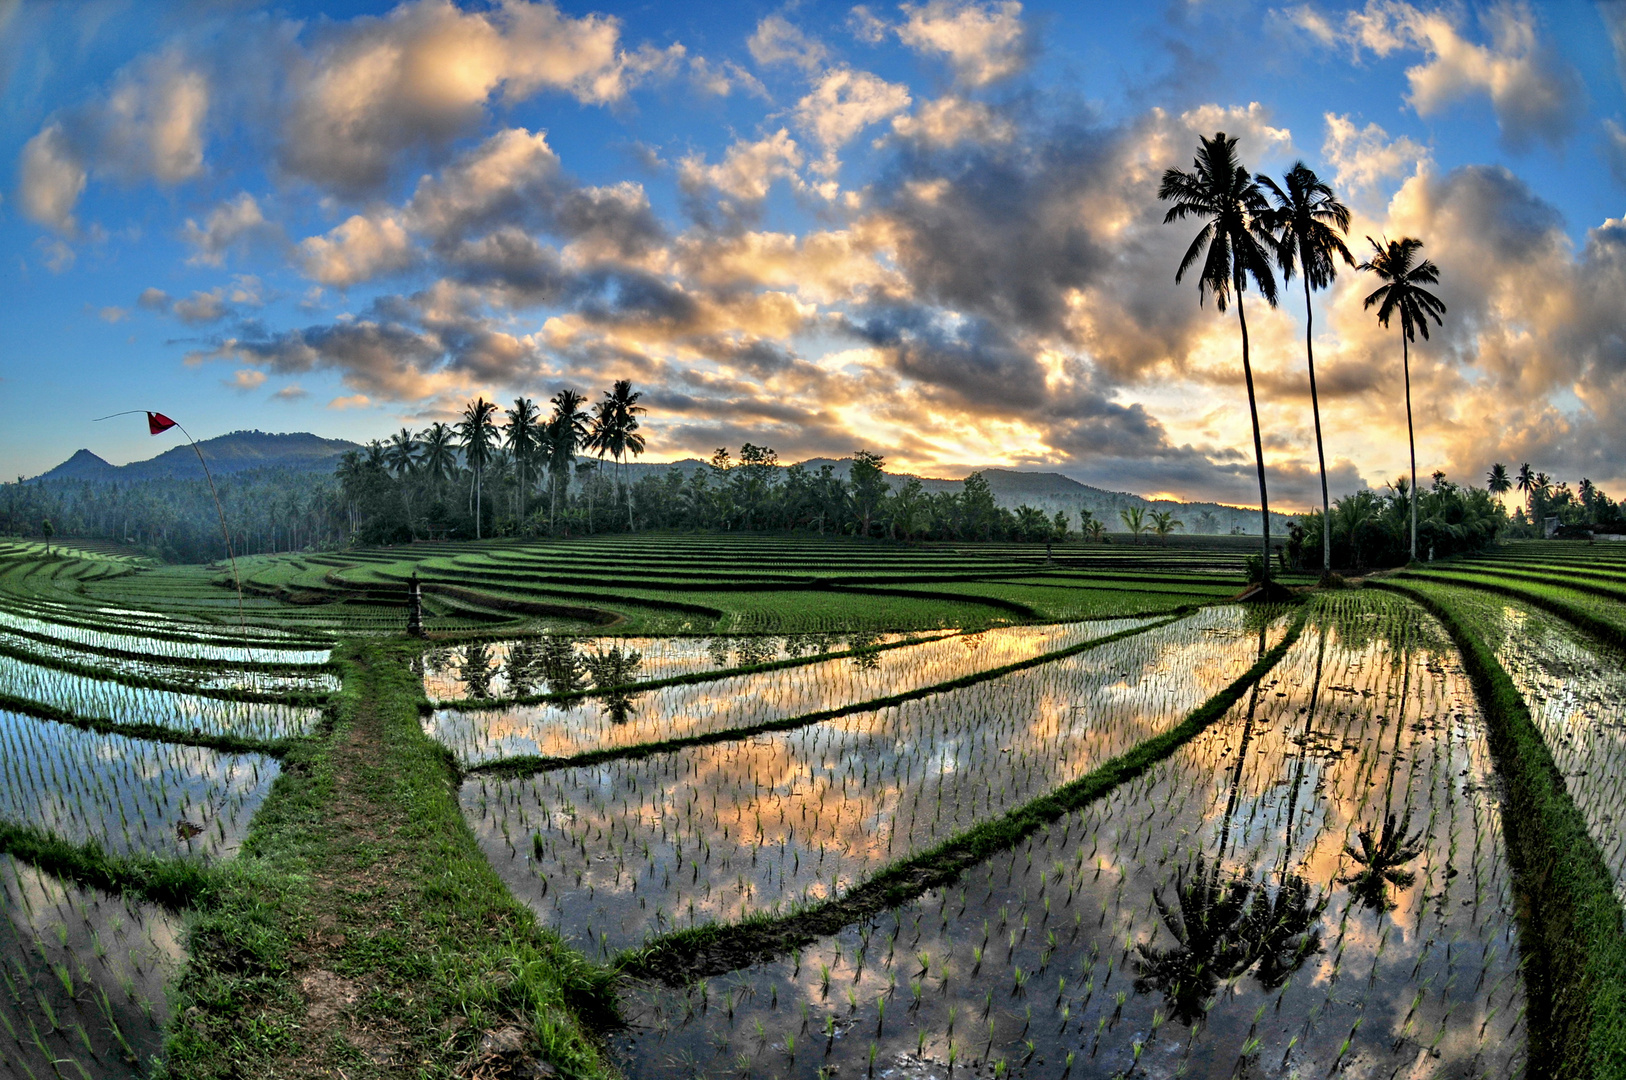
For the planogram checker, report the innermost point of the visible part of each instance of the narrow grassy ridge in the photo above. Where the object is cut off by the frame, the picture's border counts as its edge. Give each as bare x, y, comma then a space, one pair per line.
362, 929
176, 884
1572, 921
705, 951
528, 764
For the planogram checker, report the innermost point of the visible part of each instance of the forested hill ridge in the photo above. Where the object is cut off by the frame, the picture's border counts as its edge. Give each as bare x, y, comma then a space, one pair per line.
1047, 491
238, 451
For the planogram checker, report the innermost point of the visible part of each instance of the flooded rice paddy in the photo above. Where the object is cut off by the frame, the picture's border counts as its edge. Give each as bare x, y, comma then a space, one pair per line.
628, 718
128, 795
562, 664
1314, 885
101, 699
82, 978
613, 852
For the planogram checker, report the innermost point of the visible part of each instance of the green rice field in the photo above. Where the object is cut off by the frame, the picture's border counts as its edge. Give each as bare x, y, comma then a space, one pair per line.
703, 805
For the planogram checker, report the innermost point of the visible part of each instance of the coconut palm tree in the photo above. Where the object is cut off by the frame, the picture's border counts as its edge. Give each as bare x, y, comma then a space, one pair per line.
439, 461
520, 436
625, 409
600, 440
1497, 482
1307, 221
402, 452
1395, 262
1164, 522
478, 433
1233, 245
1527, 482
567, 432
1134, 519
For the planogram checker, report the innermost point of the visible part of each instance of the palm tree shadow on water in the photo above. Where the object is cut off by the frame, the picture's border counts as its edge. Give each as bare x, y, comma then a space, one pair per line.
1226, 924
1385, 849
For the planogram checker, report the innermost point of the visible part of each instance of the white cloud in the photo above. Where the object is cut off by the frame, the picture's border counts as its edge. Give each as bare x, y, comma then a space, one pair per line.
777, 41
1364, 157
52, 179
291, 392
152, 122
352, 401
114, 314
228, 224
983, 42
845, 102
425, 72
949, 120
202, 307
361, 248
245, 379
748, 169
1534, 93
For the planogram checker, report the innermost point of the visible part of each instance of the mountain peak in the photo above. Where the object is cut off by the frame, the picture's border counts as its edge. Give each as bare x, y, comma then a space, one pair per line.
234, 452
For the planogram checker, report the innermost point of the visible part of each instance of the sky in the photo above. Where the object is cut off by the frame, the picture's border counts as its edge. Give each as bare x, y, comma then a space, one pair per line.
930, 230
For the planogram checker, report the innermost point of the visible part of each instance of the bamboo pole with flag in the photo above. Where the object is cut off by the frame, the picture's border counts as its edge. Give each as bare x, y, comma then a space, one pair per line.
157, 424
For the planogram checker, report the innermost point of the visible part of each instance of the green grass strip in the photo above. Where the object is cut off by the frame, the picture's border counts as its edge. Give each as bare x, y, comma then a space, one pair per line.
1603, 630
174, 883
530, 763
226, 744
1571, 921
704, 951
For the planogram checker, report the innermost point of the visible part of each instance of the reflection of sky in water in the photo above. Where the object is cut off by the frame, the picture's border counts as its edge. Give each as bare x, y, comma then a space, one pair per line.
1428, 988
119, 954
446, 669
188, 677
130, 795
103, 700
713, 832
559, 730
146, 645
1576, 693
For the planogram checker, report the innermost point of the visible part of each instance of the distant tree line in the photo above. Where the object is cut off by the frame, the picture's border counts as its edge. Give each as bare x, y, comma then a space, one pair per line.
267, 510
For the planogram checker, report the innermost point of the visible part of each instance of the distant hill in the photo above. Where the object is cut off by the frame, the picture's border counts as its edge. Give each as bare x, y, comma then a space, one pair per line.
240, 451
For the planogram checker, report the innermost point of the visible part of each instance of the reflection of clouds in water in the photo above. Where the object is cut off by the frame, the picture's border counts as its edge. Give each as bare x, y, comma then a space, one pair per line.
128, 794
479, 735
1429, 989
778, 815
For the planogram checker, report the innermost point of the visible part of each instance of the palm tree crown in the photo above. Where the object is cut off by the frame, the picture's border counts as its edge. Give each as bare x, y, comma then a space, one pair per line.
1496, 481
1395, 262
1235, 243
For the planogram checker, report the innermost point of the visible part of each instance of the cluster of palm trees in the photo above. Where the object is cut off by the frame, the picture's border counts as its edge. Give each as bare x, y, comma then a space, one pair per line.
534, 446
1587, 503
1251, 227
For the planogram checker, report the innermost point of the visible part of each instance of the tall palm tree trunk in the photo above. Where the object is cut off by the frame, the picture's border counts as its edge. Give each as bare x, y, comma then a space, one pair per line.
1258, 443
477, 514
1411, 440
1320, 455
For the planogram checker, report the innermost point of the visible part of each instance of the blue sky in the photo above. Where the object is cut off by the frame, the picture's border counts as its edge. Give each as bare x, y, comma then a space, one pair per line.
925, 229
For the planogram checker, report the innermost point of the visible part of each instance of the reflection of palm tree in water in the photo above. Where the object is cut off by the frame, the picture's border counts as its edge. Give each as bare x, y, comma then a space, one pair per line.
560, 665
524, 669
612, 672
1223, 926
477, 670
1385, 850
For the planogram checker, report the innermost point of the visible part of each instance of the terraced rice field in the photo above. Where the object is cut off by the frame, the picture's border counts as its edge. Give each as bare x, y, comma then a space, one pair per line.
814, 808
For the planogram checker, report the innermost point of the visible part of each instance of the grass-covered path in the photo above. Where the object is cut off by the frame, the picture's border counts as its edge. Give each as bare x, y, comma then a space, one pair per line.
361, 933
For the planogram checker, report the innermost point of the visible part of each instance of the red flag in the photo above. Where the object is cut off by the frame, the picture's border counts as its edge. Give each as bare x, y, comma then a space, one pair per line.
158, 423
